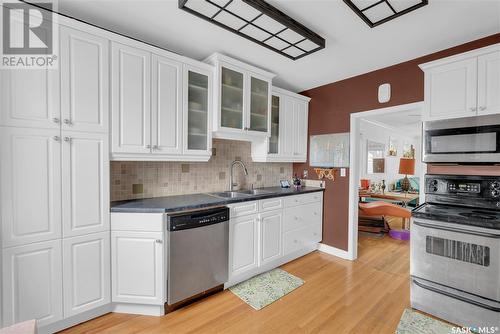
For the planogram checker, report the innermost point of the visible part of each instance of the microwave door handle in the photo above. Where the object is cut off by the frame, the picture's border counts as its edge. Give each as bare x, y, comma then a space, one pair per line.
458, 230
451, 295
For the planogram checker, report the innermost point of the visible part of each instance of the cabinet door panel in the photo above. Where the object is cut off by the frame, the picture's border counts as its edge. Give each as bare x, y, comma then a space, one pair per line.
85, 183
287, 139
489, 83
243, 244
197, 111
30, 98
137, 267
271, 234
452, 90
259, 104
31, 185
274, 140
87, 272
85, 81
166, 106
32, 283
300, 112
232, 98
131, 89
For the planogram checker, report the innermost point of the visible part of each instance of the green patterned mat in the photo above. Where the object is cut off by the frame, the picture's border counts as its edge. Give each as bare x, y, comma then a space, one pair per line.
417, 323
266, 288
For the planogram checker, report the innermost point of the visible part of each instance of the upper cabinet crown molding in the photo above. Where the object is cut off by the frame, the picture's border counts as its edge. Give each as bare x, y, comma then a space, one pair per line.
463, 85
219, 57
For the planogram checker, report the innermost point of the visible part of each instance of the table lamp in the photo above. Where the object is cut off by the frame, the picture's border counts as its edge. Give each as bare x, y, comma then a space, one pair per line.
406, 167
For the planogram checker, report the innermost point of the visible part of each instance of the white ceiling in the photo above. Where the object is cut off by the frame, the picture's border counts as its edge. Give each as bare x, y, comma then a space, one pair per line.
408, 122
352, 47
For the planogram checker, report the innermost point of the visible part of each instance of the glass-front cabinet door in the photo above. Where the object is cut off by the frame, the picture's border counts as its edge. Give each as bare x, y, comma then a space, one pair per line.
197, 111
259, 105
231, 98
275, 124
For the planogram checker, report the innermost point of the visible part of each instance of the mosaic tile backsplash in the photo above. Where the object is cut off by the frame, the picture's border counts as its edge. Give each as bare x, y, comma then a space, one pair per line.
132, 179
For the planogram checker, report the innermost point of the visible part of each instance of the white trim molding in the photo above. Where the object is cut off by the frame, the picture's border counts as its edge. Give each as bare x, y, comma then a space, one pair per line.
335, 251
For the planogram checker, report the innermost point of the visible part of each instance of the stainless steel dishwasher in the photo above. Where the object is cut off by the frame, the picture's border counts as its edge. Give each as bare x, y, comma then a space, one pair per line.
197, 254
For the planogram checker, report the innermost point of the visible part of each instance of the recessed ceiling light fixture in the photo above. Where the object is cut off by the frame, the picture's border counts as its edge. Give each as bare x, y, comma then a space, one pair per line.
259, 22
376, 12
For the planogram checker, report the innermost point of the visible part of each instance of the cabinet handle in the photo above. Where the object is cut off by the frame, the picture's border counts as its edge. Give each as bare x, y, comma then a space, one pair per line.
473, 109
482, 108
315, 213
68, 139
56, 120
159, 241
156, 147
148, 146
57, 138
67, 121
295, 241
296, 218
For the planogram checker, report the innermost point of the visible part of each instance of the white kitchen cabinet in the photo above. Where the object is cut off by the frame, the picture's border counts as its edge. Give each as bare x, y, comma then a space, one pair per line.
84, 81
271, 236
137, 267
166, 111
242, 99
243, 244
130, 99
197, 111
85, 183
30, 174
288, 140
463, 85
32, 283
488, 99
86, 272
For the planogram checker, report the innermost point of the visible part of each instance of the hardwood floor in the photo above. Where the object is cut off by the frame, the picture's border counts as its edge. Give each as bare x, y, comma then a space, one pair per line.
339, 296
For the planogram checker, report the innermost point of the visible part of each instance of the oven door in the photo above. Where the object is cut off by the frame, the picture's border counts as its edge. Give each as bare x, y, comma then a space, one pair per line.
458, 256
465, 140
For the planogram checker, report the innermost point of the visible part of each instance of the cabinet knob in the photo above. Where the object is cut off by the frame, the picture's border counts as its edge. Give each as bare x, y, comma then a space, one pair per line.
315, 213
148, 146
67, 121
482, 108
57, 138
295, 241
296, 218
156, 147
56, 120
68, 139
473, 109
159, 241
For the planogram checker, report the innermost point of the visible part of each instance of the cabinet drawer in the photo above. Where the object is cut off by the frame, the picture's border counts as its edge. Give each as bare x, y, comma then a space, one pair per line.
302, 215
306, 237
270, 204
243, 209
291, 201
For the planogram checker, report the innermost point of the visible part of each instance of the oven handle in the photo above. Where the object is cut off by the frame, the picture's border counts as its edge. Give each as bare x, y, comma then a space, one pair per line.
451, 295
458, 230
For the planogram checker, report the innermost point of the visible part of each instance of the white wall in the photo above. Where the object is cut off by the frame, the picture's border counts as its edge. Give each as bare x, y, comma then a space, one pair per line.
382, 133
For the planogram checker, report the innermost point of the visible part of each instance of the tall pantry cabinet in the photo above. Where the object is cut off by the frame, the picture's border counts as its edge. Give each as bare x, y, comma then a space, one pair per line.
54, 172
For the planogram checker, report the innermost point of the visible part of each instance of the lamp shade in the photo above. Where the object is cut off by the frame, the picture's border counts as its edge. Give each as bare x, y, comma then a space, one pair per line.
407, 166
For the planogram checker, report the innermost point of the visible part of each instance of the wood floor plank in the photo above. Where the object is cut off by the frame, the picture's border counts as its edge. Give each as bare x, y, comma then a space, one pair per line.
339, 296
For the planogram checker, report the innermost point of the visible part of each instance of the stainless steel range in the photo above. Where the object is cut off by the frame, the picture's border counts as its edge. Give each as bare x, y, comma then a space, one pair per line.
455, 250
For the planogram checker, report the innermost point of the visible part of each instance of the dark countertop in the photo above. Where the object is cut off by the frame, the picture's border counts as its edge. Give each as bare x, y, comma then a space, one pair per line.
197, 201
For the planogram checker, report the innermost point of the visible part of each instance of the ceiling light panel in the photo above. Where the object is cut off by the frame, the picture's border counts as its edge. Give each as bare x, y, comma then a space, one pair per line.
259, 22
376, 12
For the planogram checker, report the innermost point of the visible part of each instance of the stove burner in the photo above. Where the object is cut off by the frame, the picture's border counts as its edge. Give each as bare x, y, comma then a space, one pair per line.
478, 214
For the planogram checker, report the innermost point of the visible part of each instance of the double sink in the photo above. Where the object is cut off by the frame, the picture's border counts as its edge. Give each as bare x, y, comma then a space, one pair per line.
240, 193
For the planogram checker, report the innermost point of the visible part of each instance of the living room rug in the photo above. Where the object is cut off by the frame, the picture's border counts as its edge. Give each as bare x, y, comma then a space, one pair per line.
266, 288
413, 322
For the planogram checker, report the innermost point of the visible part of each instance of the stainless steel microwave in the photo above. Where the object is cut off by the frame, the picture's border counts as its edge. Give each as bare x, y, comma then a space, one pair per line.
469, 140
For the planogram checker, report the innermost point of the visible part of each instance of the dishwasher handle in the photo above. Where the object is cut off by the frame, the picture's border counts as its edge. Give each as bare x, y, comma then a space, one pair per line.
196, 219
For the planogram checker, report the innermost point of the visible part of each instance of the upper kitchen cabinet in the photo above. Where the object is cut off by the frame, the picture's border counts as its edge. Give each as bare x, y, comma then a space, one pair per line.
463, 85
242, 99
161, 105
84, 81
288, 129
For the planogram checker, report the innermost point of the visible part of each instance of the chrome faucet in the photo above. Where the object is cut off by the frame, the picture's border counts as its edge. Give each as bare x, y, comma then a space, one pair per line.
231, 184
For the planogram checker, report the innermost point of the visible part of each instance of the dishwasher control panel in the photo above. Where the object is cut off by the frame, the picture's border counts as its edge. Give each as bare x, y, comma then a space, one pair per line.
195, 219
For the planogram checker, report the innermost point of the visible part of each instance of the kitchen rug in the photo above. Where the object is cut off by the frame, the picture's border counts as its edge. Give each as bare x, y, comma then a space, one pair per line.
413, 322
266, 288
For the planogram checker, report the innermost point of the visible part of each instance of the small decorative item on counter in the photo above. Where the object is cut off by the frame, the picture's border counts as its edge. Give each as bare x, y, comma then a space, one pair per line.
285, 184
296, 182
383, 186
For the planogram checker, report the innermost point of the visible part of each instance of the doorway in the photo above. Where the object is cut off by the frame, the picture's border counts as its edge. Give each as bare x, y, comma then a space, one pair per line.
379, 140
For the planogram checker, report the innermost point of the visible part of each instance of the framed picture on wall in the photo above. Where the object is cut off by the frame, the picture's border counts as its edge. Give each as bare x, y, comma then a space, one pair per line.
330, 150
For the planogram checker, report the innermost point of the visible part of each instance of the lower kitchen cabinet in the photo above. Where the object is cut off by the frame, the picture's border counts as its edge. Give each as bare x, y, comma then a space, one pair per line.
137, 267
87, 272
243, 244
271, 231
32, 283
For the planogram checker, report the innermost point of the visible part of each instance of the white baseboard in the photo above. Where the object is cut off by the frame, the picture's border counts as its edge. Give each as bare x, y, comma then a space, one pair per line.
153, 310
75, 320
334, 251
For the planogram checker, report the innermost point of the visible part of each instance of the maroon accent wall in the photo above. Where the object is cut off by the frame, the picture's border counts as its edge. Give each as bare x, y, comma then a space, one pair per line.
330, 109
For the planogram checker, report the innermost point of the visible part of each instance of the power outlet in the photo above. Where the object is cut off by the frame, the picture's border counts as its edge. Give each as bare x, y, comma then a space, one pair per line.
343, 172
